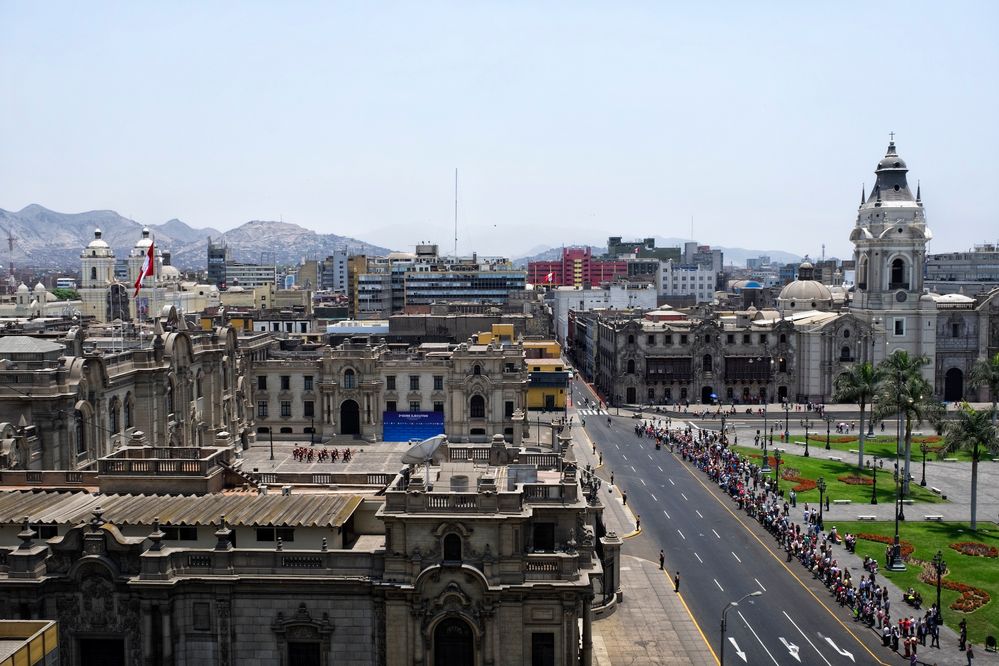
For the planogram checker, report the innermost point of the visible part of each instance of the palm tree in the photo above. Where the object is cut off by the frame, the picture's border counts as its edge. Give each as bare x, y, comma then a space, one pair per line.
986, 373
905, 392
858, 384
973, 429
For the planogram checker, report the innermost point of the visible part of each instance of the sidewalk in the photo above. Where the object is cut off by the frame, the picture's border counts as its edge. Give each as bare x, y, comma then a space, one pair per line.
650, 625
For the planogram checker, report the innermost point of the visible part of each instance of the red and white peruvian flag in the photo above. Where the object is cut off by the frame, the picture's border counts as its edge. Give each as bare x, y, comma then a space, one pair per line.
146, 270
550, 277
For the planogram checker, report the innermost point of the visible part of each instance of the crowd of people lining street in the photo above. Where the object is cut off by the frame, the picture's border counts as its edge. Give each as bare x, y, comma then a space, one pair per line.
805, 541
309, 454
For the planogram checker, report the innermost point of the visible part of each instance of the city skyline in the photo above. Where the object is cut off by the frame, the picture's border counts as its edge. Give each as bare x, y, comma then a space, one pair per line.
566, 125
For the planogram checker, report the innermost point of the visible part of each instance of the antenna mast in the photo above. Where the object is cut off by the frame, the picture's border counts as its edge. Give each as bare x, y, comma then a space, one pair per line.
456, 213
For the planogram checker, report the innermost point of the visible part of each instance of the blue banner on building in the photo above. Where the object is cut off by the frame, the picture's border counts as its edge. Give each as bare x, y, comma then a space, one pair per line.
404, 426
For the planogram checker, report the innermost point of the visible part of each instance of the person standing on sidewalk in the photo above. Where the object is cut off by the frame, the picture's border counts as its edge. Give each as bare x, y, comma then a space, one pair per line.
662, 559
970, 654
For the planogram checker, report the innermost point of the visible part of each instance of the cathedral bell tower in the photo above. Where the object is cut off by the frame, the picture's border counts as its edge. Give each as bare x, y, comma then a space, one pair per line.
889, 241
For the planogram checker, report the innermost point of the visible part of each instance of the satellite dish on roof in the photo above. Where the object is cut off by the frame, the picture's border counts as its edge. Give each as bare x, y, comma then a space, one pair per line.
424, 451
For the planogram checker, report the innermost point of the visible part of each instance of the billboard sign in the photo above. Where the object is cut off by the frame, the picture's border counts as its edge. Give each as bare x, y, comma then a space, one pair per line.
405, 426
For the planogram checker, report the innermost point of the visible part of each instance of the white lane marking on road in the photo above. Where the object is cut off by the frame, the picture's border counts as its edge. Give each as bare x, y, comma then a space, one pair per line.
654, 498
650, 456
660, 468
807, 638
633, 468
643, 483
684, 496
742, 655
748, 626
792, 648
667, 515
681, 535
718, 584
698, 514
618, 445
837, 648
760, 584
716, 534
624, 456
698, 558
736, 558
671, 482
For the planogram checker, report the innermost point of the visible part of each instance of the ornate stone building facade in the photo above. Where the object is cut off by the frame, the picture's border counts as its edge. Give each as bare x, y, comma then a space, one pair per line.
472, 564
174, 386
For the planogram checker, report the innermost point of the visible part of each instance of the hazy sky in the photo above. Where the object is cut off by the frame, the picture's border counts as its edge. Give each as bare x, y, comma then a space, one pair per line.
568, 121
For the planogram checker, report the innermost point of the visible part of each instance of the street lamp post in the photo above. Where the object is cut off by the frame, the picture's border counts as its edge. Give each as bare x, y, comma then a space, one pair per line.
828, 426
821, 485
312, 433
787, 414
940, 566
777, 465
923, 448
806, 423
724, 623
270, 433
766, 398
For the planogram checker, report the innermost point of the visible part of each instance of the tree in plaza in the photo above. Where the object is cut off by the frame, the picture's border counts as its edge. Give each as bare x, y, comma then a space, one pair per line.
904, 391
859, 384
986, 373
974, 430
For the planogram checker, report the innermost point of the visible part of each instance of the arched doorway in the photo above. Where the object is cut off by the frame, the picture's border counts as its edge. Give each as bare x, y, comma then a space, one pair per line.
630, 395
454, 644
954, 385
706, 393
350, 418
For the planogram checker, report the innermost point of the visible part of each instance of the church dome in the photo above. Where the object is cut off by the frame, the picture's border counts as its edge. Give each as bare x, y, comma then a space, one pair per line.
39, 287
98, 242
891, 161
23, 288
805, 291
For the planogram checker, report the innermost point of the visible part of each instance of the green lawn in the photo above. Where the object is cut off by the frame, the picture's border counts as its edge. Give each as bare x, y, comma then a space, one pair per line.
882, 446
927, 539
812, 468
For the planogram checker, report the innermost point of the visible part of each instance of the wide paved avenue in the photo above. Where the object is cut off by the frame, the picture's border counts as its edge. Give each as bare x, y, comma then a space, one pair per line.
722, 555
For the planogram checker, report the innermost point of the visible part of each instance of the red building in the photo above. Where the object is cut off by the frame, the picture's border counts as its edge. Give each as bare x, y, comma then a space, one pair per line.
576, 268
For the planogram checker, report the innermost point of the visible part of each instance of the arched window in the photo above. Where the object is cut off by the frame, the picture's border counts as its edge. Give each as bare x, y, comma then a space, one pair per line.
898, 275
93, 272
128, 410
631, 339
706, 363
631, 367
452, 548
169, 398
476, 369
349, 379
113, 423
781, 365
81, 432
844, 353
783, 337
477, 407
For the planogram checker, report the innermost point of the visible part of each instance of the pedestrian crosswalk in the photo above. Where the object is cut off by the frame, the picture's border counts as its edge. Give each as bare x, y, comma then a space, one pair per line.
592, 412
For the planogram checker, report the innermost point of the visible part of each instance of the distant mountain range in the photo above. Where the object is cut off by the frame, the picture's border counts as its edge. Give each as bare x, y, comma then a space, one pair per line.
50, 240
733, 255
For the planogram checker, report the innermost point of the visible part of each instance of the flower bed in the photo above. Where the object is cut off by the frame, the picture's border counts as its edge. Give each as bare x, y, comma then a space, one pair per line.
856, 480
928, 439
791, 474
907, 547
833, 439
975, 549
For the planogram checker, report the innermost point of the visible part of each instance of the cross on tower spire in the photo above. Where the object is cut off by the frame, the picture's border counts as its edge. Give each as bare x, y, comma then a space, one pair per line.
891, 136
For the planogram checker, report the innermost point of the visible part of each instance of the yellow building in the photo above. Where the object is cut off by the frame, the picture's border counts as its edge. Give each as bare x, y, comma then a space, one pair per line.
542, 349
547, 382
